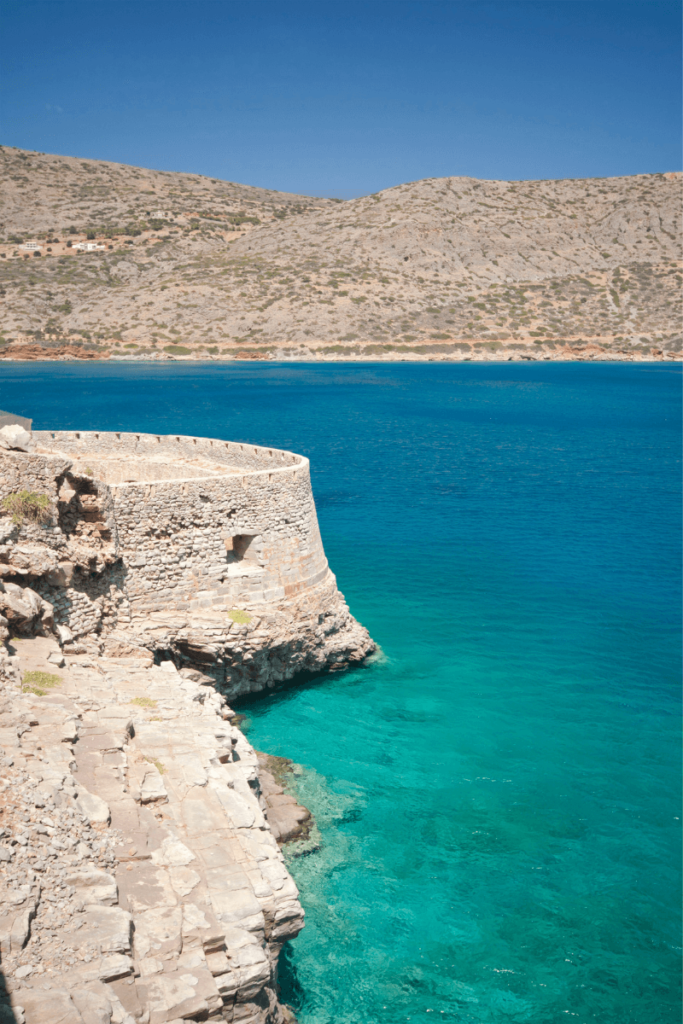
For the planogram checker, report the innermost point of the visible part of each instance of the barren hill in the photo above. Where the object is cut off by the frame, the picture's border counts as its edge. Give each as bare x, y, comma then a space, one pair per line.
440, 268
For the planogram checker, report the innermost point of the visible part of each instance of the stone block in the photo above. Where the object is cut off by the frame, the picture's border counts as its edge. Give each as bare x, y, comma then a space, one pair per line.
93, 807
238, 906
239, 812
93, 1006
275, 872
201, 928
217, 963
105, 969
153, 788
106, 928
15, 437
69, 731
94, 886
183, 880
228, 984
150, 965
158, 932
181, 994
124, 814
116, 965
173, 853
52, 1007
21, 929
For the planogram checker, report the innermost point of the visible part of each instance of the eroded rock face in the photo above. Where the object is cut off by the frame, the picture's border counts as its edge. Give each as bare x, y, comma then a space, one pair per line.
24, 610
14, 436
139, 878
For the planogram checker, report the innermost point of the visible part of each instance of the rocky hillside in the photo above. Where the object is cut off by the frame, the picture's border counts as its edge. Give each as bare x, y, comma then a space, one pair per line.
440, 268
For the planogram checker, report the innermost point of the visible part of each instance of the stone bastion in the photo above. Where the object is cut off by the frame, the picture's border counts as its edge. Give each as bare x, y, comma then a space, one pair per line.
198, 550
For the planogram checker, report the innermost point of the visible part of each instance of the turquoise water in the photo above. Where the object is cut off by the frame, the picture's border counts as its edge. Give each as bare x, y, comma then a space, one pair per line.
499, 793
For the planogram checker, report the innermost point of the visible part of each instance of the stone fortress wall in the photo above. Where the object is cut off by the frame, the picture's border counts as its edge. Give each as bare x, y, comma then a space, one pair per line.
203, 551
201, 522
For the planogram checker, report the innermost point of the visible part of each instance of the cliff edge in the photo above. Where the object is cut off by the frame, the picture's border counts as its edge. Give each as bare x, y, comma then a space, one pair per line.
142, 579
140, 881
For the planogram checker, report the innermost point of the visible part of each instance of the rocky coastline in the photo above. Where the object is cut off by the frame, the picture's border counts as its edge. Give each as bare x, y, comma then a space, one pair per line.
142, 879
457, 351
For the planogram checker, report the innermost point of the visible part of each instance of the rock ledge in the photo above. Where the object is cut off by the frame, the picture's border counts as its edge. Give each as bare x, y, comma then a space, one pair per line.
140, 880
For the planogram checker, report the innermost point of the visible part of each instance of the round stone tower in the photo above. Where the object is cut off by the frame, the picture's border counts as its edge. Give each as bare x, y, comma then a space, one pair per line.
197, 549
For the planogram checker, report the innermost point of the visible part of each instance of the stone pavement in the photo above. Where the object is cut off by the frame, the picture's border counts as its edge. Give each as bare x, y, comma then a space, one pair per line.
140, 882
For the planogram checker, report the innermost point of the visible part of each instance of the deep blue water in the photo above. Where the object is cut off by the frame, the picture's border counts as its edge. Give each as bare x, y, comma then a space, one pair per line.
499, 795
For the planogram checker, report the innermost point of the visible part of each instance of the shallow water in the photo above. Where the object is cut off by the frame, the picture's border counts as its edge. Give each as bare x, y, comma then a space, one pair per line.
499, 793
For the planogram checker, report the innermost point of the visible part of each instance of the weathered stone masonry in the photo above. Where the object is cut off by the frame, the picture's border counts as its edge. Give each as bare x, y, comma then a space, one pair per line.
158, 541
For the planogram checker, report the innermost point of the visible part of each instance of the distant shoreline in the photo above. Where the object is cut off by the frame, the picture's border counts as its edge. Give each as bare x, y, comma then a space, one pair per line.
603, 357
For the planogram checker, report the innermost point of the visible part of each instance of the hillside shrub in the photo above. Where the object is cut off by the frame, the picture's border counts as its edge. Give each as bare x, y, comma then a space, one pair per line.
178, 350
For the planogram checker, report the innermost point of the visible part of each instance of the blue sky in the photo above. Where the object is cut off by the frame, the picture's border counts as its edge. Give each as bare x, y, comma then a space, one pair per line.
343, 99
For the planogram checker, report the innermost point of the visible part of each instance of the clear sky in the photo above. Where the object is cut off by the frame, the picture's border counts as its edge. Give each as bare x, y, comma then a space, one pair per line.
343, 99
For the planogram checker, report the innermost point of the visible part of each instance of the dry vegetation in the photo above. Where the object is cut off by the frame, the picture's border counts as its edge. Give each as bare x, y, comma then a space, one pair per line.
441, 268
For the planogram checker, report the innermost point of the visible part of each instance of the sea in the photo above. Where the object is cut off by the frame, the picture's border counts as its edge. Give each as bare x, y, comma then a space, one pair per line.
498, 791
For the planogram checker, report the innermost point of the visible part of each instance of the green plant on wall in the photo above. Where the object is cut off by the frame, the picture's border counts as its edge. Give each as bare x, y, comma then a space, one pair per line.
239, 616
23, 505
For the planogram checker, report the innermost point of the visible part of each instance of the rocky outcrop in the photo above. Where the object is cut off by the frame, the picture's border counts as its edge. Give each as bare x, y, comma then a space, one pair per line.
192, 549
288, 820
14, 437
143, 579
140, 880
269, 646
23, 611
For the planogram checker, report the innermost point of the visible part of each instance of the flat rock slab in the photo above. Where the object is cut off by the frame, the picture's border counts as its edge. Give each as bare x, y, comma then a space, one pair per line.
163, 894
